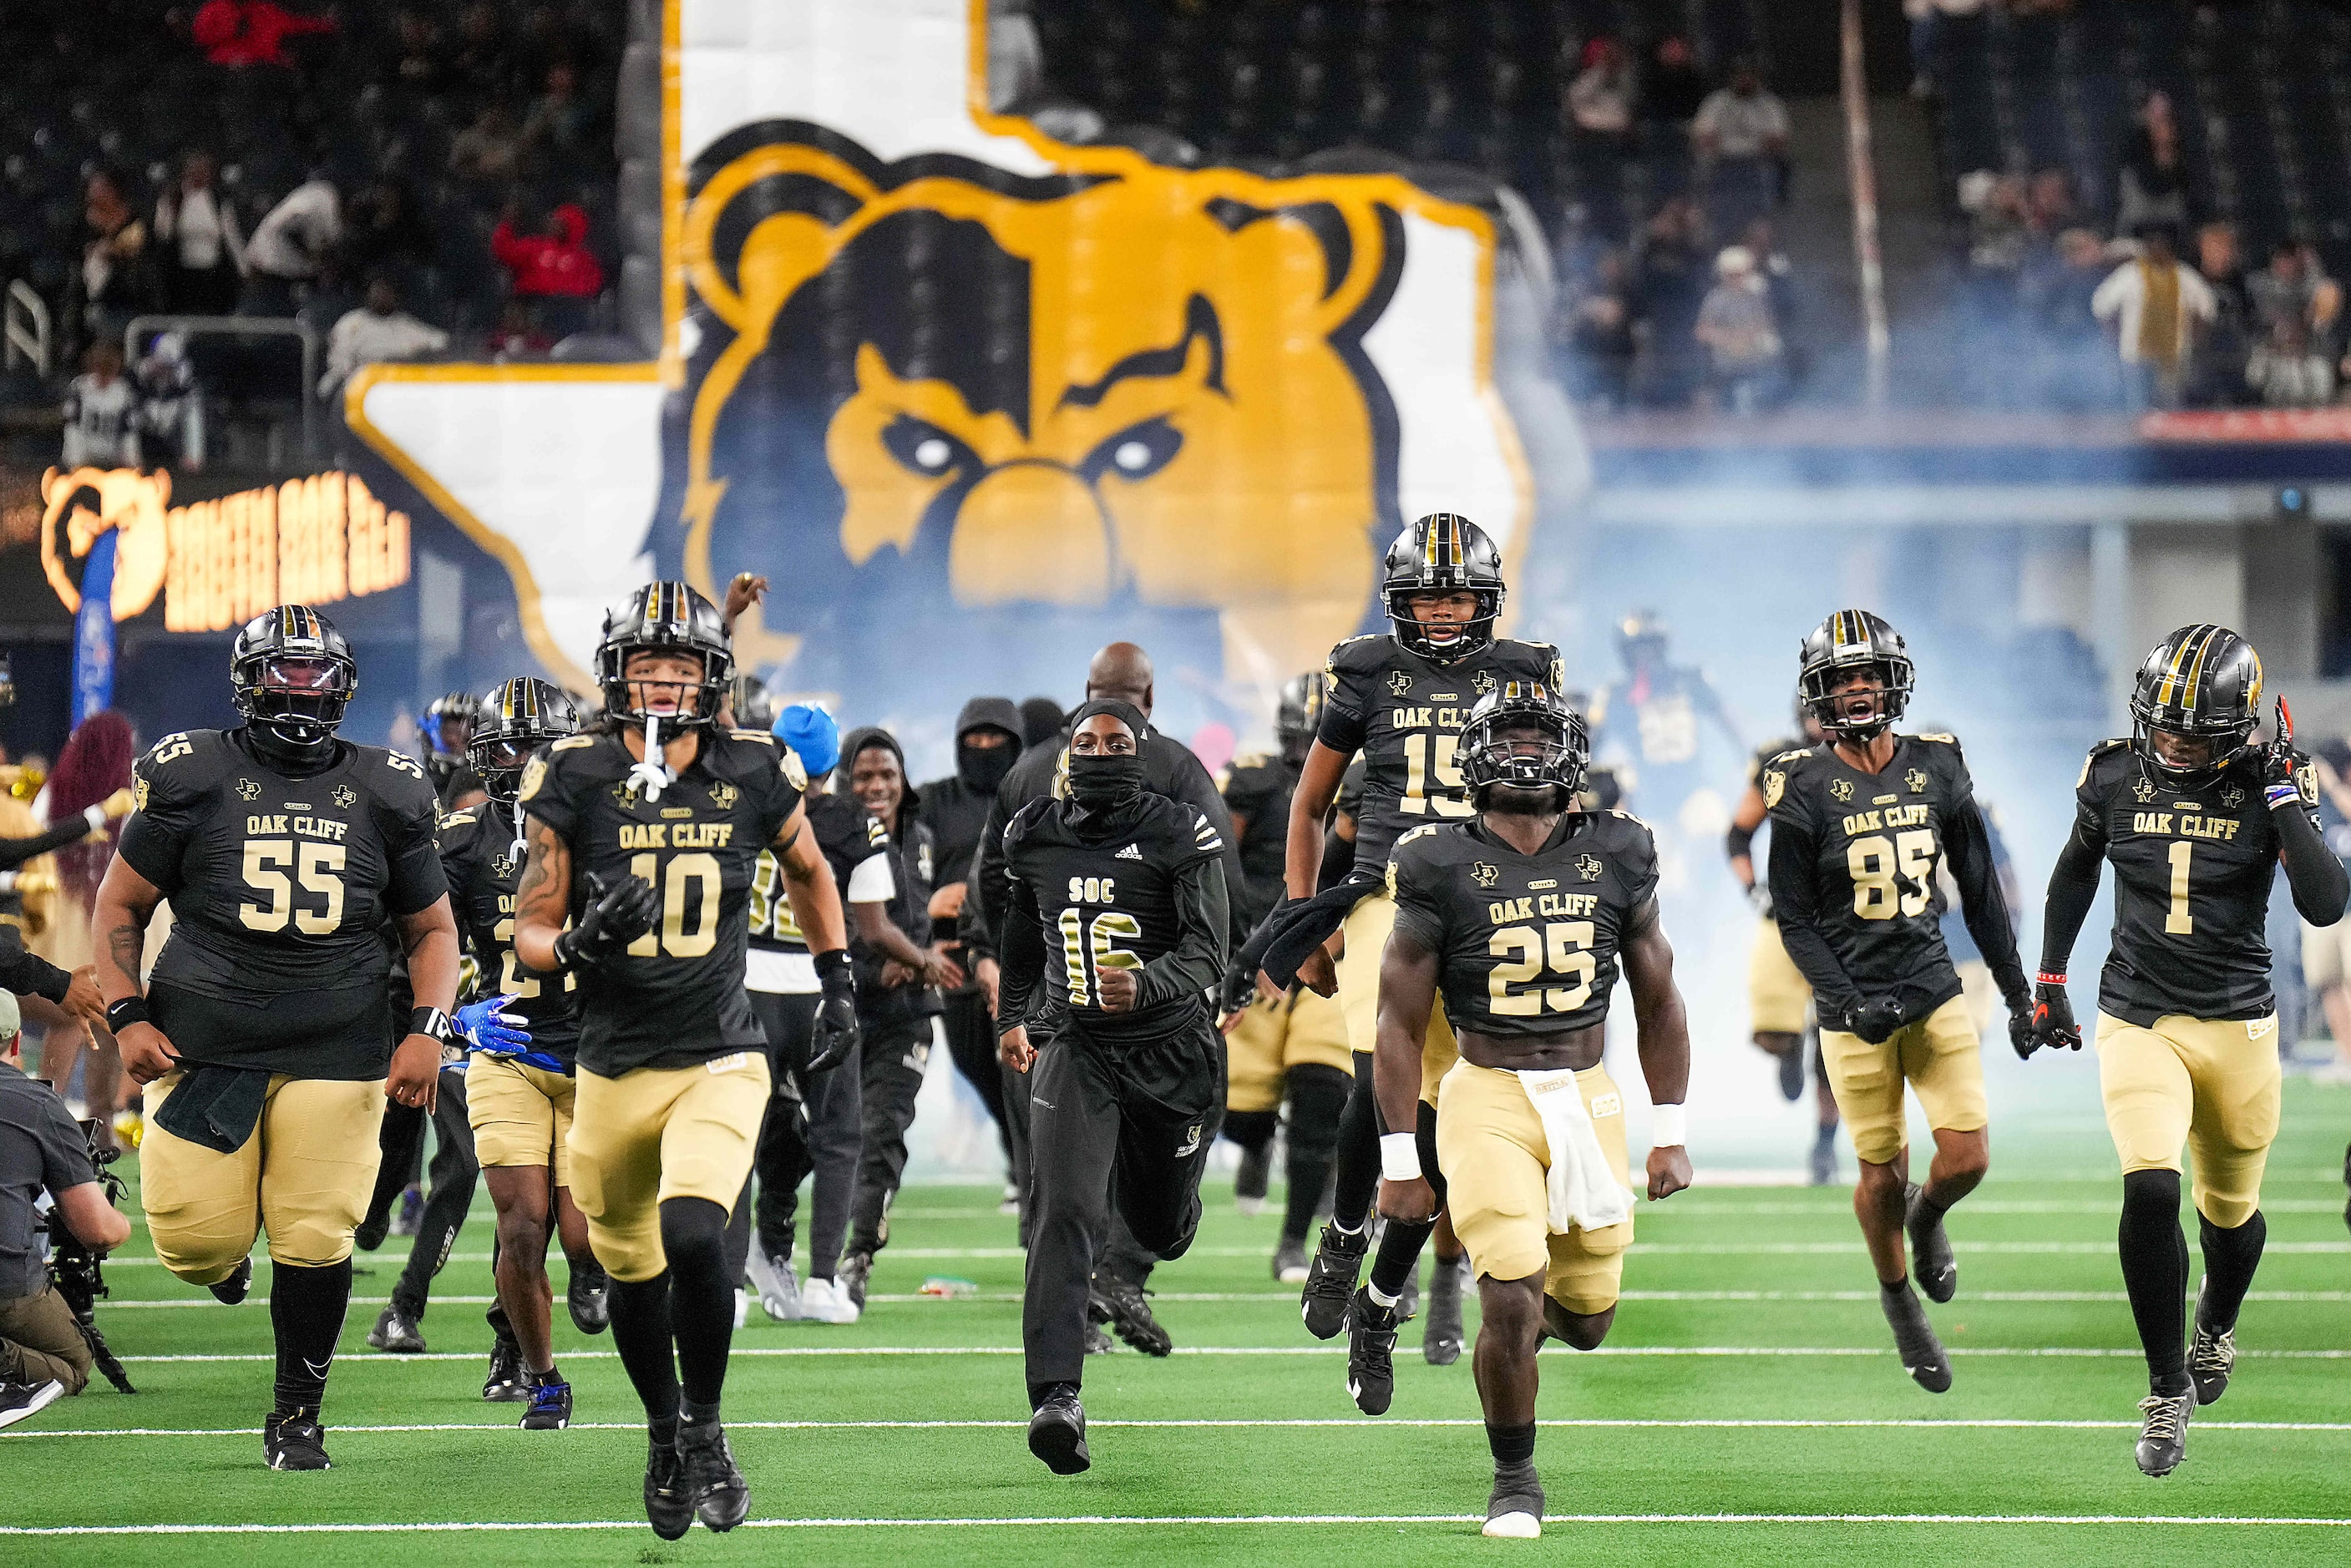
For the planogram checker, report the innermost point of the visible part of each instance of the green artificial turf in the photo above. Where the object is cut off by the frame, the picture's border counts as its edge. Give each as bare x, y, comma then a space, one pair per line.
2033, 1429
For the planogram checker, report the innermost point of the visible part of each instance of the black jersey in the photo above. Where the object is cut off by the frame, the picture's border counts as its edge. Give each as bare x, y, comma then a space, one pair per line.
674, 997
1767, 752
2192, 874
1257, 791
1855, 857
1655, 716
481, 851
846, 835
1113, 894
1526, 944
282, 889
1404, 714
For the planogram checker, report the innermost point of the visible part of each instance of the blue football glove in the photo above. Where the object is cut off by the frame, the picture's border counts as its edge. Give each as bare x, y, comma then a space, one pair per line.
487, 1025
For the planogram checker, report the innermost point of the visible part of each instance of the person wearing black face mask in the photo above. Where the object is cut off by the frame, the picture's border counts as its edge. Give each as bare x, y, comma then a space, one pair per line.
955, 808
1126, 1095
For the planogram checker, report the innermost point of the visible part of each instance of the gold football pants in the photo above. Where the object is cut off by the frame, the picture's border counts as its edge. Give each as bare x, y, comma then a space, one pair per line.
1274, 1036
2205, 1084
1776, 995
1496, 1157
1937, 1056
1367, 932
521, 1115
659, 1133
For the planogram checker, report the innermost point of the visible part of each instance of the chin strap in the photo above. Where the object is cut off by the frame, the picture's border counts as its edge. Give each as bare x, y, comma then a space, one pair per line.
651, 775
520, 851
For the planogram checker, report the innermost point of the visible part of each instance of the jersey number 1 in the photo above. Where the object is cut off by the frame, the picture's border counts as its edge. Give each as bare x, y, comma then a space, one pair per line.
2177, 922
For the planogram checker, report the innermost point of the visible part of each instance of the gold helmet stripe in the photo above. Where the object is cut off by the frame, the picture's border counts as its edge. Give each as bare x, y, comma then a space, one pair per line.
2196, 668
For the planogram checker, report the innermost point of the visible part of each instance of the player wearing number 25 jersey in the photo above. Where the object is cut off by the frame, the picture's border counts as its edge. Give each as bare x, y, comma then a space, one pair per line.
2196, 818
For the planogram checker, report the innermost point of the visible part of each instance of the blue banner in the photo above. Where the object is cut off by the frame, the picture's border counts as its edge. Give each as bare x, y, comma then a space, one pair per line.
93, 667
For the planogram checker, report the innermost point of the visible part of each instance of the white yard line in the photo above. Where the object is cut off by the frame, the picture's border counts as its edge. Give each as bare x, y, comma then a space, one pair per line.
1698, 1350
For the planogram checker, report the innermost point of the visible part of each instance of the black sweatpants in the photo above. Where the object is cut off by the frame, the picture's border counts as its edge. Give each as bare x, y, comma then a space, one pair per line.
811, 1127
970, 1031
892, 1061
455, 1174
1122, 1127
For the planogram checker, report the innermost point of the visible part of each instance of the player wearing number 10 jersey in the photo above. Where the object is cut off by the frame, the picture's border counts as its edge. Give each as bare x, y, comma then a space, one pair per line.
1859, 825
2196, 818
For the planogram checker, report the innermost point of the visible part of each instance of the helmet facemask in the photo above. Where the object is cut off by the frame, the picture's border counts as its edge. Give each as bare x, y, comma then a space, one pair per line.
1444, 641
1858, 712
294, 702
1520, 750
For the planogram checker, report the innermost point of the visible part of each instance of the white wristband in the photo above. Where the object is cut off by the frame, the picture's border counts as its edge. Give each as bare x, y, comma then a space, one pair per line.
95, 816
1669, 1126
1399, 1156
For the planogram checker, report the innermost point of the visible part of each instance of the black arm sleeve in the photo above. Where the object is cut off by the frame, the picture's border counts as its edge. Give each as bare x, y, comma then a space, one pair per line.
1023, 951
1197, 963
2317, 877
1739, 843
1967, 848
1796, 899
1338, 860
987, 890
14, 852
1198, 790
30, 974
2073, 884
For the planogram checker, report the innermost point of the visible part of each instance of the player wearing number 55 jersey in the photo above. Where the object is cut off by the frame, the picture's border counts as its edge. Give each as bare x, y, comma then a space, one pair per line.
1859, 825
1114, 930
266, 1036
1400, 700
643, 839
2195, 818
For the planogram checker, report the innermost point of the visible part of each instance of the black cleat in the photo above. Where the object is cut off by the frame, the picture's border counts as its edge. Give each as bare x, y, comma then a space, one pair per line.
1124, 1307
1791, 1073
551, 1407
1255, 1175
1057, 1432
1371, 1353
1441, 1341
237, 1286
1914, 1337
295, 1442
1331, 1280
2163, 1439
668, 1509
395, 1331
2211, 1356
855, 1270
1930, 1250
707, 1477
1514, 1510
506, 1385
588, 1296
1098, 1339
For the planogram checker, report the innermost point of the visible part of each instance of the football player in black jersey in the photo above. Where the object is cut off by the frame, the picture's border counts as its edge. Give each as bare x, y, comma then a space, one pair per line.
1520, 919
644, 839
519, 1087
1859, 827
264, 1038
1400, 700
1276, 1044
1115, 930
447, 728
1649, 719
2196, 817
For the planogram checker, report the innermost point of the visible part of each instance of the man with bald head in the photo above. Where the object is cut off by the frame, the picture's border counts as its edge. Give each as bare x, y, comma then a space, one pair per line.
1121, 672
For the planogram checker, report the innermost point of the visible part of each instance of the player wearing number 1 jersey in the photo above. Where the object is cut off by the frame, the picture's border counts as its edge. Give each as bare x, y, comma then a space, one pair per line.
1859, 825
2196, 818
1400, 700
643, 836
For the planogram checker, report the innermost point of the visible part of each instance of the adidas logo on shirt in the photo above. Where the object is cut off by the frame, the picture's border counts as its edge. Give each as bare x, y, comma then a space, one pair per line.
1131, 852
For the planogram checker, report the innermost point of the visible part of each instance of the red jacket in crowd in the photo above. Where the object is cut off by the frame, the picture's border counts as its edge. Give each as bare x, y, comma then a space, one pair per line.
250, 32
557, 264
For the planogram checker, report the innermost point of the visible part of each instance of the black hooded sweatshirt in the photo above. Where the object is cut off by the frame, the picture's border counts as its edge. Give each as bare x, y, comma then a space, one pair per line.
913, 864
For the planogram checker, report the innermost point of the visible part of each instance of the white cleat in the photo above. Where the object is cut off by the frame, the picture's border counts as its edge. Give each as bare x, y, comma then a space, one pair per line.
823, 1300
1513, 1527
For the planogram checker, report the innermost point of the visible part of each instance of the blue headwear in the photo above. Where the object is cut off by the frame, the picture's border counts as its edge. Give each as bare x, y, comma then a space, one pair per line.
813, 734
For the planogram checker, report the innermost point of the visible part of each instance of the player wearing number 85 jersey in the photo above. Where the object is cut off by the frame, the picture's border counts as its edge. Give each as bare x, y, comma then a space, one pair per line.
1859, 825
266, 1038
2196, 817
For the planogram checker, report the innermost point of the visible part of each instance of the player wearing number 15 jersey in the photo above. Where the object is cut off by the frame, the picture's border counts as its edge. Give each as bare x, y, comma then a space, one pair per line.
1400, 700
2196, 818
1859, 825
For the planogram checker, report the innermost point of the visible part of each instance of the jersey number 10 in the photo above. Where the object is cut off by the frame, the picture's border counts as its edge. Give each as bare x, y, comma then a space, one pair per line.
686, 874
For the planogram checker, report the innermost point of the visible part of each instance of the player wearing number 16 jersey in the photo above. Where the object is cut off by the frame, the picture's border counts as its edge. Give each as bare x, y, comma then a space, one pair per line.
2196, 818
1859, 825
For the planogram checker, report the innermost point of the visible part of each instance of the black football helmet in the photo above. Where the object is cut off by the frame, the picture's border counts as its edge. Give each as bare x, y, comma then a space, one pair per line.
1486, 758
1847, 641
1441, 552
517, 720
1300, 714
674, 619
293, 675
2203, 683
1641, 639
448, 726
753, 705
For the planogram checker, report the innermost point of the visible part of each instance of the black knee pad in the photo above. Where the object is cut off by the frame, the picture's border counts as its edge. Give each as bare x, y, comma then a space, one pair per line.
1318, 1099
693, 1233
1251, 1129
2151, 1194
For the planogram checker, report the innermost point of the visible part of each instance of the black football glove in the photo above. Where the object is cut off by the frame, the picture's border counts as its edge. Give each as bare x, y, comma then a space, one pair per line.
836, 1016
615, 917
2053, 1018
1875, 1020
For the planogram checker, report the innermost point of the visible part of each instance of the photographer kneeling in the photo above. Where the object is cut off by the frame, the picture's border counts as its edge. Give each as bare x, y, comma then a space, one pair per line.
42, 1353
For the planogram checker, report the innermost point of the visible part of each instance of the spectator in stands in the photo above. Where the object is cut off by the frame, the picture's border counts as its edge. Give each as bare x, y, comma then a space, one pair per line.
116, 280
418, 65
2151, 186
376, 331
1742, 339
1784, 294
488, 150
2076, 372
290, 247
202, 249
1600, 101
2157, 306
171, 405
241, 33
552, 268
1741, 136
2295, 287
559, 120
384, 232
2287, 369
102, 412
2216, 374
1599, 335
1925, 18
1672, 87
483, 69
1670, 286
